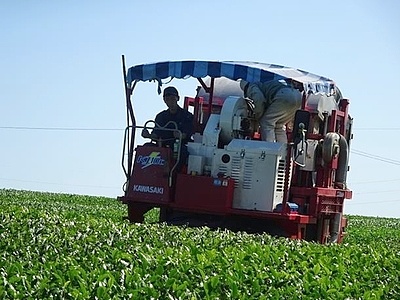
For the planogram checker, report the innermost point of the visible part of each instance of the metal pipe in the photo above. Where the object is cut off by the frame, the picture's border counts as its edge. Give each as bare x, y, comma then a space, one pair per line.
341, 172
130, 120
334, 229
210, 99
288, 172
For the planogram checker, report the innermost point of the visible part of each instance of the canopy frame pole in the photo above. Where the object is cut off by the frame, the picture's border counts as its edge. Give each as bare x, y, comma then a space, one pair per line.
210, 91
129, 139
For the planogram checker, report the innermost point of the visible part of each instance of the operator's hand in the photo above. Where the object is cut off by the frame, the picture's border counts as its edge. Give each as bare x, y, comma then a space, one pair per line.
146, 134
176, 134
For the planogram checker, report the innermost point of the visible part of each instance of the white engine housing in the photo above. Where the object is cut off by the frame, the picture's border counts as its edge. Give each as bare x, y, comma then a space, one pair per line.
258, 169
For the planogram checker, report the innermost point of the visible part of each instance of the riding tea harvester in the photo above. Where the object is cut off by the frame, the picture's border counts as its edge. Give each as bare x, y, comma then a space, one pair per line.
232, 178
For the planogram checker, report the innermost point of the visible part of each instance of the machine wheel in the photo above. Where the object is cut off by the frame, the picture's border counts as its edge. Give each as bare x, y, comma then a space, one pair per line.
323, 230
136, 212
335, 228
329, 229
165, 214
330, 146
311, 233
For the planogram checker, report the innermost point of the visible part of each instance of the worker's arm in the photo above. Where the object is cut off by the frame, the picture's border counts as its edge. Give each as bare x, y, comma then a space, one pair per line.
186, 127
254, 93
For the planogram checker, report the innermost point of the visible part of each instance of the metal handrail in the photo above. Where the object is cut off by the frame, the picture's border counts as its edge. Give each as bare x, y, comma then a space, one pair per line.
129, 169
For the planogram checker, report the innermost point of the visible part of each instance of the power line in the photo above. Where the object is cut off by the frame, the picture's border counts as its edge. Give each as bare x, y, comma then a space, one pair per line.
108, 129
357, 152
59, 128
376, 157
354, 151
376, 192
378, 129
374, 181
60, 184
371, 202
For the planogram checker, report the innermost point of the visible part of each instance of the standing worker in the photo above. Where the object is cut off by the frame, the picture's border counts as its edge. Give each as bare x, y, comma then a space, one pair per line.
275, 105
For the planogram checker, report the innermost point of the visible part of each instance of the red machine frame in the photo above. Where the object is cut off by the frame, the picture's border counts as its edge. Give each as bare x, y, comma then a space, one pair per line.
210, 199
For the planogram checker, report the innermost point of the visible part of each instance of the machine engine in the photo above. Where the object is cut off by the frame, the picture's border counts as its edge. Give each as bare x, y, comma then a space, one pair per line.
257, 167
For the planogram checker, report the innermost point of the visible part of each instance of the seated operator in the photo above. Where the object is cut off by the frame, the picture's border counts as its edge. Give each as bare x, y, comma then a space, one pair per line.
174, 113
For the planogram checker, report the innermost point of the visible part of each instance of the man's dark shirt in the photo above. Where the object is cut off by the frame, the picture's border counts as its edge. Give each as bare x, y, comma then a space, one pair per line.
183, 119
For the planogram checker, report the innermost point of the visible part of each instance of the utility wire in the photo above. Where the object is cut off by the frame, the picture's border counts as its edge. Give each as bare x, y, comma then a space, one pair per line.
376, 192
60, 128
357, 152
376, 157
354, 151
374, 181
61, 184
378, 129
108, 129
371, 202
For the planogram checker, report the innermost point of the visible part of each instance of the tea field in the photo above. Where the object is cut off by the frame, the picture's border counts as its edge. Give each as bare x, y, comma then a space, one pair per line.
58, 246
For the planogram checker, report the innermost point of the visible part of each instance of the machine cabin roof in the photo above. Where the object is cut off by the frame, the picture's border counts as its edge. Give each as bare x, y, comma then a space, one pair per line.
234, 70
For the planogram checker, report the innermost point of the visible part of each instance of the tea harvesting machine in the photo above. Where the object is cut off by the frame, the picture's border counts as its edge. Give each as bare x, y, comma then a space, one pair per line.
232, 178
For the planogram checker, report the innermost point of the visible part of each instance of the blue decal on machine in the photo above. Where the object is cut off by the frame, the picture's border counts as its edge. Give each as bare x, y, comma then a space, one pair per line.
220, 182
153, 159
217, 182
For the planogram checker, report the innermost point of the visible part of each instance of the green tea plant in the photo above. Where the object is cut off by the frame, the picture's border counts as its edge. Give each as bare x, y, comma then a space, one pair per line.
58, 246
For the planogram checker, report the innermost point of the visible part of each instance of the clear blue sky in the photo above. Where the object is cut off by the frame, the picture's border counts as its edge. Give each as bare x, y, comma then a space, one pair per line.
60, 67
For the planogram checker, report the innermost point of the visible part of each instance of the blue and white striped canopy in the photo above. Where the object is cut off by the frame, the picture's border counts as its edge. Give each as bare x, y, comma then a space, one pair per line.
249, 71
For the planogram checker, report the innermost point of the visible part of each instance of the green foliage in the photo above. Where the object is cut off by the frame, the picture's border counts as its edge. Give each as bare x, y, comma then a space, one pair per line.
79, 247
